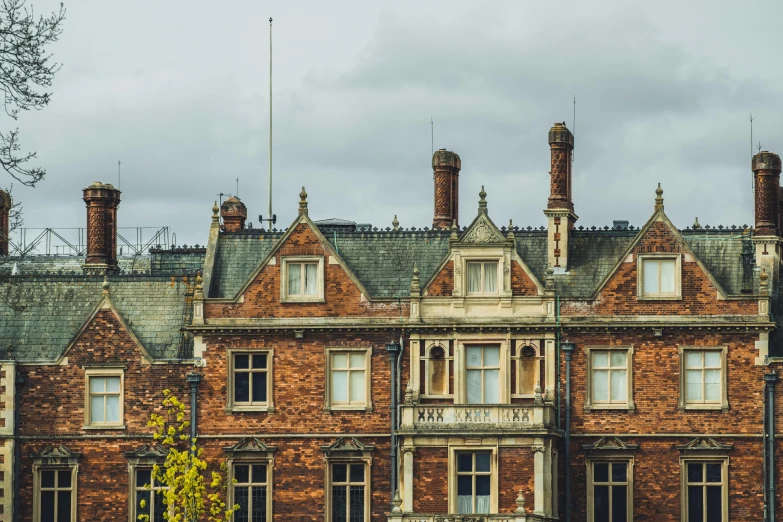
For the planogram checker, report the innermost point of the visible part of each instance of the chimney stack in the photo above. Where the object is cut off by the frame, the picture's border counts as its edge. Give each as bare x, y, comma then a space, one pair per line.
560, 207
446, 166
102, 201
5, 221
234, 214
766, 171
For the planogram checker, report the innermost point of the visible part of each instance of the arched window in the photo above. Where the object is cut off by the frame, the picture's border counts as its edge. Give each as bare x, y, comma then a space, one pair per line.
437, 372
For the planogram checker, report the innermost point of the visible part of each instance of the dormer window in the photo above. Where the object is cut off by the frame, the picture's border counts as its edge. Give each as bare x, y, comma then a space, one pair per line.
482, 277
302, 279
659, 277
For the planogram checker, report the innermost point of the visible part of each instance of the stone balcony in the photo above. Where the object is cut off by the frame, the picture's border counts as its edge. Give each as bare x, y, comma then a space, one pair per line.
509, 517
495, 418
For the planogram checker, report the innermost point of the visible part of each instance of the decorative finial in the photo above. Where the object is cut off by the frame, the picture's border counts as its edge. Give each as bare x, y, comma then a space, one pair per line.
408, 400
696, 225
198, 292
659, 198
549, 279
415, 286
482, 200
763, 276
215, 215
510, 234
520, 503
396, 503
303, 202
105, 285
538, 398
454, 233
395, 223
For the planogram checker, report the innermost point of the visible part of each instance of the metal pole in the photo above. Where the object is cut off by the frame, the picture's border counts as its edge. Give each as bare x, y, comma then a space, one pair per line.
194, 379
568, 349
393, 349
769, 380
270, 123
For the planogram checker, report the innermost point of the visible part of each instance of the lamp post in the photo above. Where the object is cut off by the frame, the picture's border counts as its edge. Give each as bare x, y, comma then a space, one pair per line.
393, 348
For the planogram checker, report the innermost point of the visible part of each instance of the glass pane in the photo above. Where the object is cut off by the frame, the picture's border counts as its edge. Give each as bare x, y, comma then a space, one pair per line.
294, 278
437, 376
241, 387
339, 503
259, 386
667, 276
712, 392
160, 507
490, 277
64, 479
693, 376
619, 504
618, 386
695, 472
113, 384
712, 359
693, 392
242, 473
492, 386
695, 503
357, 504
474, 387
601, 503
63, 506
600, 472
259, 360
713, 473
618, 359
241, 361
357, 386
357, 473
340, 386
311, 279
113, 408
465, 485
241, 495
339, 360
145, 496
47, 506
474, 277
259, 504
482, 485
464, 462
600, 359
600, 385
473, 357
650, 276
482, 461
96, 409
464, 504
714, 504
492, 356
143, 477
619, 472
259, 474
527, 375
358, 359
97, 384
693, 359
482, 504
340, 473
47, 479
712, 376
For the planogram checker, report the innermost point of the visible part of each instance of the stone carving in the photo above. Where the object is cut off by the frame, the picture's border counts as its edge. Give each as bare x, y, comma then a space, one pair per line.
483, 232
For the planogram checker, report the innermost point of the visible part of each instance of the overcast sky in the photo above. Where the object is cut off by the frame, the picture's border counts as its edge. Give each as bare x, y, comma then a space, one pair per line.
179, 92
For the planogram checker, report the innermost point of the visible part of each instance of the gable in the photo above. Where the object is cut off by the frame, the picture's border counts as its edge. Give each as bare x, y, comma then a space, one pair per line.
104, 338
442, 284
521, 283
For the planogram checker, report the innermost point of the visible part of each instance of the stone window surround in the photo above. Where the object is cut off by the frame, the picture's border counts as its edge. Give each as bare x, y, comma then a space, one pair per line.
55, 459
589, 404
516, 360
269, 407
267, 458
498, 275
339, 456
460, 367
448, 360
723, 406
452, 474
721, 459
104, 371
641, 295
132, 469
284, 297
144, 457
612, 458
462, 255
328, 352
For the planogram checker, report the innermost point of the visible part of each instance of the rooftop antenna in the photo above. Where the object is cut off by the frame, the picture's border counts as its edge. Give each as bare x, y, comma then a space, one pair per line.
269, 215
237, 187
119, 175
752, 180
432, 135
573, 131
759, 146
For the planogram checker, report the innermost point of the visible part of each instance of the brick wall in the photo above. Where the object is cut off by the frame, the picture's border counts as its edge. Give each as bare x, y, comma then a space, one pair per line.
443, 283
521, 284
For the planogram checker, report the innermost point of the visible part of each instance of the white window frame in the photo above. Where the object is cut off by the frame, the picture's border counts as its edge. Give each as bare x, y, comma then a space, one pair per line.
101, 372
723, 404
460, 367
269, 405
516, 360
37, 470
498, 275
658, 296
600, 459
447, 361
133, 469
328, 402
590, 404
267, 460
709, 459
501, 369
284, 296
452, 475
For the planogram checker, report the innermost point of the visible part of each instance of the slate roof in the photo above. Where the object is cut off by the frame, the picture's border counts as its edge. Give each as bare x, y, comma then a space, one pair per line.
237, 256
721, 254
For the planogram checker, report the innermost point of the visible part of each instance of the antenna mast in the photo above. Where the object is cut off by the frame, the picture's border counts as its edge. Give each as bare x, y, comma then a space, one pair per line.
432, 135
119, 175
752, 180
269, 216
573, 131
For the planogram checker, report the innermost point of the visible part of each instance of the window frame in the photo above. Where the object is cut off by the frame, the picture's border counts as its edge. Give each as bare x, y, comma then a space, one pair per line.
347, 451
328, 394
704, 459
132, 470
641, 294
501, 368
461, 372
102, 372
448, 359
267, 460
231, 405
37, 470
590, 404
453, 503
516, 360
590, 463
723, 404
284, 295
498, 276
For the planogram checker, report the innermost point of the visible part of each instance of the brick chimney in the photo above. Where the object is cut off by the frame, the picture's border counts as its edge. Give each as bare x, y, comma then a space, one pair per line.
766, 171
234, 214
102, 201
560, 208
446, 166
5, 221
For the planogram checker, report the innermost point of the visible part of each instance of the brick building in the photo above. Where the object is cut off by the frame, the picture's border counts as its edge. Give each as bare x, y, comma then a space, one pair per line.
553, 373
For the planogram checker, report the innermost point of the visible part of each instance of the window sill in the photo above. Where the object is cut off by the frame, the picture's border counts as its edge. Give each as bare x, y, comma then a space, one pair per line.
329, 409
630, 408
316, 299
704, 407
659, 298
104, 427
250, 409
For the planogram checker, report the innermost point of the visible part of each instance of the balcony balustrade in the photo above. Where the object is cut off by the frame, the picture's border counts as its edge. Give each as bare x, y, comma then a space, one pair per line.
476, 417
508, 517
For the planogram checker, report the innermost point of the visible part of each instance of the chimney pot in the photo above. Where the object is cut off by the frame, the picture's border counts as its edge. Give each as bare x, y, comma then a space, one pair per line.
234, 214
766, 171
102, 202
446, 166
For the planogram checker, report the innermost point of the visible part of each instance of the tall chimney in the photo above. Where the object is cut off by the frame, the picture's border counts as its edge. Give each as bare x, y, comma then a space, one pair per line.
766, 170
5, 221
560, 207
446, 165
234, 214
102, 201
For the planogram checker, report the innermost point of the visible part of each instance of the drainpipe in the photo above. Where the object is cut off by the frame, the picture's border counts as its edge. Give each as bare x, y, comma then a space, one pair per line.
769, 444
194, 379
557, 358
19, 381
393, 348
568, 349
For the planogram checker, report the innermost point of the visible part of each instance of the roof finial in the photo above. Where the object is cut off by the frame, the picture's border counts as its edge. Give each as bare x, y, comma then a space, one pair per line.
659, 198
696, 225
105, 285
395, 223
482, 201
198, 292
454, 233
215, 215
763, 276
510, 234
303, 202
415, 284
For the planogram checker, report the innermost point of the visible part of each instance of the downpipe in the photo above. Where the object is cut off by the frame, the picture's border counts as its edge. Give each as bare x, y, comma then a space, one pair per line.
567, 348
769, 445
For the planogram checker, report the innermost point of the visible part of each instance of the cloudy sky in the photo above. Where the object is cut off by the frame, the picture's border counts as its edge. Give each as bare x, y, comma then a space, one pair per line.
178, 91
